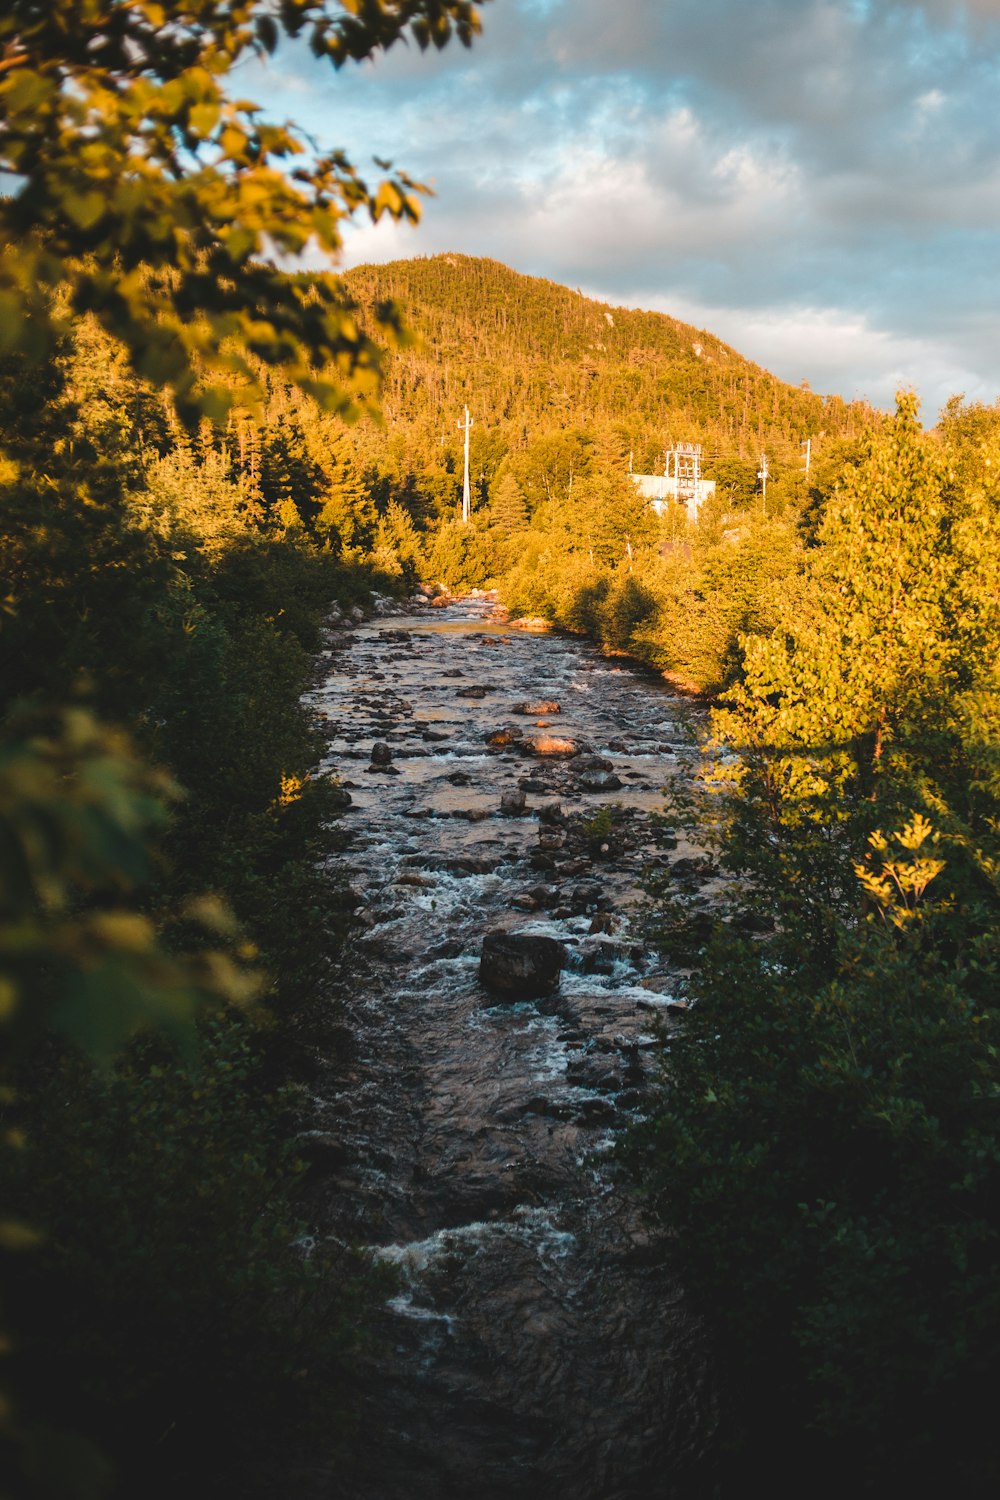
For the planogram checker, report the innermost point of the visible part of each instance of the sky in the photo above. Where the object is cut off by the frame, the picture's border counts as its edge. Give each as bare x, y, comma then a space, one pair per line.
817, 182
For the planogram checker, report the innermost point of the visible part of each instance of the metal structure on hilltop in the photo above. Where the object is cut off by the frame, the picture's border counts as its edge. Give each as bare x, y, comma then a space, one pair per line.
685, 459
680, 481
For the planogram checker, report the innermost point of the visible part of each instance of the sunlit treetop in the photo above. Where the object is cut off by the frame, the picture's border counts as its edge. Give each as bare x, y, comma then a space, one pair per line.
157, 198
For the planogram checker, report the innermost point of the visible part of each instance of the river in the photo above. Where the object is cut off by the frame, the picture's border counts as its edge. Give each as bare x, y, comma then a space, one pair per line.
538, 1344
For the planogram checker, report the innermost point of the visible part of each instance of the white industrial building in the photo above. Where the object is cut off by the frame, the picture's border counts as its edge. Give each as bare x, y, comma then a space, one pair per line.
681, 481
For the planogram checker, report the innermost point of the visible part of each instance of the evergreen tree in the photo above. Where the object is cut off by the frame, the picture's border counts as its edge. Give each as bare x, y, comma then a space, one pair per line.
850, 712
508, 511
825, 1147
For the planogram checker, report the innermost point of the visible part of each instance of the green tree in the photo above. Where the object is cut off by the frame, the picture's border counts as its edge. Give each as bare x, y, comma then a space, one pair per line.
397, 547
347, 514
611, 517
507, 508
853, 707
826, 1146
146, 193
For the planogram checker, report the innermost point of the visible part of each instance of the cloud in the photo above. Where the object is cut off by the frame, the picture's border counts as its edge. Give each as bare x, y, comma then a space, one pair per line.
826, 167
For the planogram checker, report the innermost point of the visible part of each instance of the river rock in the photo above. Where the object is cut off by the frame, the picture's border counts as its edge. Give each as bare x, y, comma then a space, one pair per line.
595, 1073
597, 1112
471, 864
520, 966
541, 706
322, 1152
599, 781
474, 690
594, 763
598, 955
551, 745
551, 1109
533, 623
381, 754
499, 738
513, 803
545, 895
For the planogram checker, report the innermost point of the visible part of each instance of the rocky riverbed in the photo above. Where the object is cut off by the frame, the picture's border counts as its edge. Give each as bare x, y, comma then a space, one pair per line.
502, 782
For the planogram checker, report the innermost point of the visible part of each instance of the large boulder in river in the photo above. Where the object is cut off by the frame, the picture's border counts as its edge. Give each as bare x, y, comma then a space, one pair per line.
551, 746
599, 781
520, 966
537, 707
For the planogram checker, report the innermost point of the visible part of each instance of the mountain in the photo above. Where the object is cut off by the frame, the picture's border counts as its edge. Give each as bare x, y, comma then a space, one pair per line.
528, 355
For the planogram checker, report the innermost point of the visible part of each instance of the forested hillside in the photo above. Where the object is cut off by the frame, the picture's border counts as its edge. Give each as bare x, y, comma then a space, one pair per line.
530, 356
565, 394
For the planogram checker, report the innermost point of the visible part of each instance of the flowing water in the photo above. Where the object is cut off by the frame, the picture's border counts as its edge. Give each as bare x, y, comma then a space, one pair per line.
537, 1344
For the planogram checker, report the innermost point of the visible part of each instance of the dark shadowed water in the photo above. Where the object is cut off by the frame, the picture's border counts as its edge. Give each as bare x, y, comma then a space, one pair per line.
537, 1345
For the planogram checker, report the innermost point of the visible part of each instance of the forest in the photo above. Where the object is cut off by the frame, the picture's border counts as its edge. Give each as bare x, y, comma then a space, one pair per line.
186, 492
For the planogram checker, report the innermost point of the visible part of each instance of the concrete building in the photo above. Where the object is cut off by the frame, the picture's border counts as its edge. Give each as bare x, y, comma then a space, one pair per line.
681, 481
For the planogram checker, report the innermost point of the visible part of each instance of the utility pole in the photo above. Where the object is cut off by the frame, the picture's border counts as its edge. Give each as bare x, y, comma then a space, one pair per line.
808, 447
762, 474
468, 424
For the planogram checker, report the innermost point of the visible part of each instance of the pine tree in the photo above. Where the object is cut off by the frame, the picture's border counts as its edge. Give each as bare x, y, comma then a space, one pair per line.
508, 511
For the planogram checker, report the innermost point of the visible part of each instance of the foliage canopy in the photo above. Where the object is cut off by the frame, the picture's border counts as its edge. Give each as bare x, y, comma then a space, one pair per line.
151, 195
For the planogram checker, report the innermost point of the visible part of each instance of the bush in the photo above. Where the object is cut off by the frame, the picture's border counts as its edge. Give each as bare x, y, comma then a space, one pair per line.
173, 1312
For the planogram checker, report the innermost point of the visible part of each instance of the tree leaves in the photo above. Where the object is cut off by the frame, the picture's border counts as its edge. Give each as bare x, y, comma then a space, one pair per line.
77, 810
129, 156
